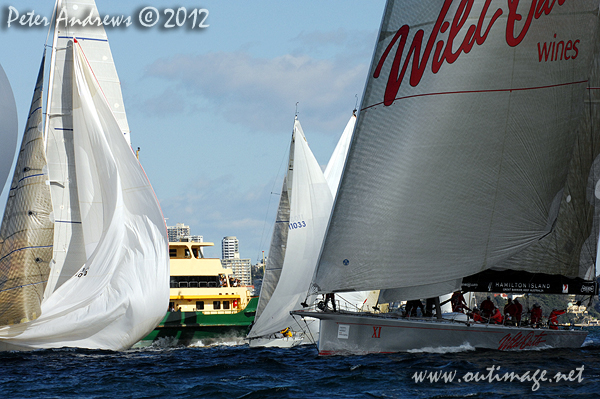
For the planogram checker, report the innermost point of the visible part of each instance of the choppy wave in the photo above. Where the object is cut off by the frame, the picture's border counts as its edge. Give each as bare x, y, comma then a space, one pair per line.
232, 370
444, 349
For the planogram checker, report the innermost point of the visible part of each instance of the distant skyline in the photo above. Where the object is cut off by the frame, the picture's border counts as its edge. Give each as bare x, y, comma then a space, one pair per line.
212, 109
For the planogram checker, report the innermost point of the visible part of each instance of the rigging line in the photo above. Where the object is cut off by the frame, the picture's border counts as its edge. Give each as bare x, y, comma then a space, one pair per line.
307, 332
51, 23
23, 286
75, 41
285, 154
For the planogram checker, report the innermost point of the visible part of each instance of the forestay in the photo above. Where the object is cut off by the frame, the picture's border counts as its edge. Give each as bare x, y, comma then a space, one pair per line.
468, 148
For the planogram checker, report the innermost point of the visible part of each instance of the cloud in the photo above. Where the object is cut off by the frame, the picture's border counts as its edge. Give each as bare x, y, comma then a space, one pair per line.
217, 208
346, 44
262, 93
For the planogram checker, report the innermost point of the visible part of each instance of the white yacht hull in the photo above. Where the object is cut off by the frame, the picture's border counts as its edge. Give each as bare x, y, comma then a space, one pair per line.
285, 342
354, 333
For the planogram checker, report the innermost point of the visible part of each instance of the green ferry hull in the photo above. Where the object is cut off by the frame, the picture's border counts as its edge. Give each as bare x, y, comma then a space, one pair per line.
188, 328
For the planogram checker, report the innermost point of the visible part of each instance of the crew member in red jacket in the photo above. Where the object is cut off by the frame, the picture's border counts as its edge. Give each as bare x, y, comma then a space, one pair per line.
536, 315
497, 316
552, 319
519, 312
509, 311
487, 307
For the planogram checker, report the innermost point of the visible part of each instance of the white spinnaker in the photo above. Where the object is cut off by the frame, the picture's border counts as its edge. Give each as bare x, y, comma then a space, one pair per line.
121, 292
69, 249
463, 170
310, 205
8, 128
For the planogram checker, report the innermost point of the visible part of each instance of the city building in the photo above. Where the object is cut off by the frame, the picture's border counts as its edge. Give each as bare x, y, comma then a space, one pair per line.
230, 248
242, 269
178, 231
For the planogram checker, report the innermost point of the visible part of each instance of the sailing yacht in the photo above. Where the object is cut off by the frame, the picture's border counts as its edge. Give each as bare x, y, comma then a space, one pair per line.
83, 244
308, 332
304, 207
474, 165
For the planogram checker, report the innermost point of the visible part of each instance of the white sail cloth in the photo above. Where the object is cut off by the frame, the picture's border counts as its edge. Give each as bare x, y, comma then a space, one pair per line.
464, 146
8, 128
121, 292
333, 174
335, 166
310, 205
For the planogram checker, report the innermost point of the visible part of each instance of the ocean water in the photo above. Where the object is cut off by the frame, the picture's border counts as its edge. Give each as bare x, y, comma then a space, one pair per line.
233, 370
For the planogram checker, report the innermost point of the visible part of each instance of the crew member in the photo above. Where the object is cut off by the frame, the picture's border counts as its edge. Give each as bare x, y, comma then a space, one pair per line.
536, 315
458, 302
412, 306
497, 316
552, 319
518, 312
487, 307
476, 315
331, 297
509, 310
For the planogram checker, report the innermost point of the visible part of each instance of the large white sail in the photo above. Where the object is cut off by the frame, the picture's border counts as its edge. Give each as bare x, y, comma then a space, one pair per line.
467, 147
69, 248
26, 235
333, 174
335, 166
310, 205
278, 244
9, 127
109, 281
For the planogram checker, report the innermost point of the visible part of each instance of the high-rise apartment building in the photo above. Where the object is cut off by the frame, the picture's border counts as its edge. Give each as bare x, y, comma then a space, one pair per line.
230, 248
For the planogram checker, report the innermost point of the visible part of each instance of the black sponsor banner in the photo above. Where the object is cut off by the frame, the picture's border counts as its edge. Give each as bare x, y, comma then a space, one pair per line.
510, 281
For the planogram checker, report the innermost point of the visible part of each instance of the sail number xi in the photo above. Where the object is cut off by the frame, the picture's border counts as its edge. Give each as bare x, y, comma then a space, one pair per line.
517, 26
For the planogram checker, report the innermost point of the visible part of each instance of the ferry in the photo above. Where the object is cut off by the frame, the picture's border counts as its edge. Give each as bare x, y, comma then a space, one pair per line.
207, 304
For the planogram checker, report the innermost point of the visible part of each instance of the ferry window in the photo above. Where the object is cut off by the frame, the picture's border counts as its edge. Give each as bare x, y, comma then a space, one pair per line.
216, 305
202, 281
195, 252
172, 252
225, 304
187, 253
199, 305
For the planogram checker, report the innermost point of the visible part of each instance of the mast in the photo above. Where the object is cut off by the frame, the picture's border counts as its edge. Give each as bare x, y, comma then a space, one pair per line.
57, 6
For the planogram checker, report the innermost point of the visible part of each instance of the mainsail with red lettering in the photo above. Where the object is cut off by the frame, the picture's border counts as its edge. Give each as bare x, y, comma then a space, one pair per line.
476, 149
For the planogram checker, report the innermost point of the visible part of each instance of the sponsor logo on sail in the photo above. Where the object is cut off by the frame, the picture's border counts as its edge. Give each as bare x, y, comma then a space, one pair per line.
440, 46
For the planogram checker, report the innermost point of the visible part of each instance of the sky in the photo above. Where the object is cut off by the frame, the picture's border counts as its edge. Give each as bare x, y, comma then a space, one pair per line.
212, 109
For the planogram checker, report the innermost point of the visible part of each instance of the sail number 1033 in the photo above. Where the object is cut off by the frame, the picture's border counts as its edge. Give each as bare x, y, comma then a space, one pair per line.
297, 225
